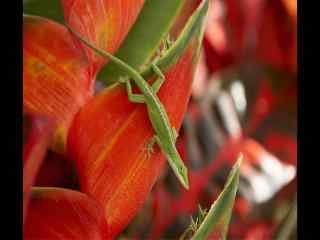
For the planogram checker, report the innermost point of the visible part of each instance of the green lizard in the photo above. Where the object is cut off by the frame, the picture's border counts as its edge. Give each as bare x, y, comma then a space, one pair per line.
165, 135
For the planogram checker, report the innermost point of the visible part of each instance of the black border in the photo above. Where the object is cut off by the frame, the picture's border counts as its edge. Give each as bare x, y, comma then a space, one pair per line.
308, 123
11, 102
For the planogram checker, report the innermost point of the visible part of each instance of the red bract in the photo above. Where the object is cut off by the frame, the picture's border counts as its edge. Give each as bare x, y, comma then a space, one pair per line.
284, 145
260, 30
56, 171
37, 140
58, 75
105, 23
230, 32
57, 213
291, 6
108, 141
264, 104
55, 74
106, 134
277, 37
217, 51
259, 230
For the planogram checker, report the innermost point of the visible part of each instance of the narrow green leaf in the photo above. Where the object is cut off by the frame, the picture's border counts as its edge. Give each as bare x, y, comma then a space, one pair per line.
152, 25
193, 27
51, 9
220, 212
288, 224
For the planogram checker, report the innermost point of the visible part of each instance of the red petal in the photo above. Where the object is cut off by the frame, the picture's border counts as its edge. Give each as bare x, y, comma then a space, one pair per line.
56, 81
260, 230
34, 152
57, 213
108, 140
105, 23
283, 146
216, 43
277, 37
291, 6
56, 171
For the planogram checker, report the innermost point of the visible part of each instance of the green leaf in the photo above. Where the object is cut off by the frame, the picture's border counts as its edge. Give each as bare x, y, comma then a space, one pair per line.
288, 224
193, 27
220, 212
152, 25
51, 9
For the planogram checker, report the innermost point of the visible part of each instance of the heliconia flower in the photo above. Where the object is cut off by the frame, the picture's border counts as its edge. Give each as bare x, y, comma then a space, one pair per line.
230, 30
284, 145
260, 230
263, 105
200, 77
215, 40
56, 80
108, 140
58, 75
108, 136
291, 6
282, 39
57, 213
242, 207
39, 132
240, 29
56, 171
244, 18
104, 23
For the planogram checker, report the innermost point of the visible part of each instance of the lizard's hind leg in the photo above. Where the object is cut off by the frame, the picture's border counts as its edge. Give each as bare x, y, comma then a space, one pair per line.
150, 146
133, 97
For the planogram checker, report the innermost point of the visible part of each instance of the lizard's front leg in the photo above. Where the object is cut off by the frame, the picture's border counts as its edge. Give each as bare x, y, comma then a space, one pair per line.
150, 145
160, 80
136, 98
168, 42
